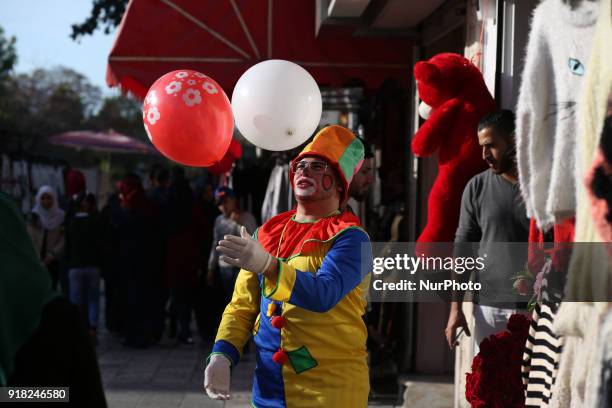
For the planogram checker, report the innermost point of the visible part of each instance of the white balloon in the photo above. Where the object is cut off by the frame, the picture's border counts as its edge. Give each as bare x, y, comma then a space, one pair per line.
277, 105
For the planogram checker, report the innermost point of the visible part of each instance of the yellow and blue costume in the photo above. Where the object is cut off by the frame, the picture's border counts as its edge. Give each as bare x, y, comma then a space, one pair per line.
308, 325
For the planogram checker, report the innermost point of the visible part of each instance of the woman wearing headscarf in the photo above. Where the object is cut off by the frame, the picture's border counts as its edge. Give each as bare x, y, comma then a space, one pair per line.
46, 227
43, 341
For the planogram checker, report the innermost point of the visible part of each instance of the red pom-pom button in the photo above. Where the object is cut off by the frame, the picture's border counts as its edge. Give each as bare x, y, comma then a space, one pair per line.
280, 357
278, 322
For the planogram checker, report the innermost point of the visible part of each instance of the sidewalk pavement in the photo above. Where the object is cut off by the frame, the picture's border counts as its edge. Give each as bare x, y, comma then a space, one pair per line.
170, 375
167, 376
164, 376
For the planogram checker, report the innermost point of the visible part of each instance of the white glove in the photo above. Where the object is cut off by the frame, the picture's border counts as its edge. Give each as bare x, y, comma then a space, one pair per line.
244, 252
217, 377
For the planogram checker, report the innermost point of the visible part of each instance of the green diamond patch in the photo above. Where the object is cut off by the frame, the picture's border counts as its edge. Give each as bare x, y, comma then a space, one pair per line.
301, 360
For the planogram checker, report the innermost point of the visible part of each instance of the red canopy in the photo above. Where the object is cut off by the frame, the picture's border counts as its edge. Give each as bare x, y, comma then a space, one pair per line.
223, 38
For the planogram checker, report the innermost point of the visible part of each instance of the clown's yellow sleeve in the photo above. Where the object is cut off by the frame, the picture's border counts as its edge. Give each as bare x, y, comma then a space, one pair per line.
239, 317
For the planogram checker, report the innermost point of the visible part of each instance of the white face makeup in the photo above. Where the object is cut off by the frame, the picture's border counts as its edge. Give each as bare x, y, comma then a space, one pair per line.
305, 186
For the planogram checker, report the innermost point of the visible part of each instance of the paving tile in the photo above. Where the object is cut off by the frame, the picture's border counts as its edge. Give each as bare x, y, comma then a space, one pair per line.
166, 376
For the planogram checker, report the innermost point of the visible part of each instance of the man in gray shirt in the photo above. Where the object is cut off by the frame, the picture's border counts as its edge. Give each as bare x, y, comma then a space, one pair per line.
492, 215
227, 223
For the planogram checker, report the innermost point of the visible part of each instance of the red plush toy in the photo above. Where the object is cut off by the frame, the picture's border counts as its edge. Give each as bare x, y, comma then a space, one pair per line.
455, 96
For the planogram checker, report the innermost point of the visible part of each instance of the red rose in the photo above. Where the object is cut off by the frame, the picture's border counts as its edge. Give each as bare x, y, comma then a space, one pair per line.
476, 363
486, 348
518, 323
479, 404
496, 379
522, 286
471, 386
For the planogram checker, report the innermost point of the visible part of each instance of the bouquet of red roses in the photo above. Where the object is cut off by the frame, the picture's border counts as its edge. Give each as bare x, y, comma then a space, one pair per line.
495, 380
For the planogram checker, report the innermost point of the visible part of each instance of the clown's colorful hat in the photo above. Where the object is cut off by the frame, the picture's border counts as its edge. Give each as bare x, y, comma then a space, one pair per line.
339, 147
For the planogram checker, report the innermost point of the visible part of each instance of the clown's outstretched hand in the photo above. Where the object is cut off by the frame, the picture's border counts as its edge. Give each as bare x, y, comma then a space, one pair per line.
244, 252
217, 377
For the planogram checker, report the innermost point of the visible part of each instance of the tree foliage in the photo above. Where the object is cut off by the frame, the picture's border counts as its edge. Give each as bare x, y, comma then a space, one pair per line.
41, 85
122, 114
50, 101
8, 55
107, 13
44, 102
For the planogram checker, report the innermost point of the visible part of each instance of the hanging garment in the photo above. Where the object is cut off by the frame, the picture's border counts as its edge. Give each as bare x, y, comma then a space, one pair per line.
555, 64
578, 356
279, 197
599, 391
543, 347
587, 267
588, 276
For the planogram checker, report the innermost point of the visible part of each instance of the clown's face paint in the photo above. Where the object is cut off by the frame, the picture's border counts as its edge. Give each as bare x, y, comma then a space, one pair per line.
327, 182
305, 186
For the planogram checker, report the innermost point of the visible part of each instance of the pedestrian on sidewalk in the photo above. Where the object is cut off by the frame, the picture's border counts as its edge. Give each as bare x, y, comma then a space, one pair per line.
46, 228
301, 290
209, 299
492, 211
138, 234
183, 252
159, 183
229, 222
83, 260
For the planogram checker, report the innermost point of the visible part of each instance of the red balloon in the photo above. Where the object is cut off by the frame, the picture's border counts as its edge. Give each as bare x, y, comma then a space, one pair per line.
189, 118
225, 164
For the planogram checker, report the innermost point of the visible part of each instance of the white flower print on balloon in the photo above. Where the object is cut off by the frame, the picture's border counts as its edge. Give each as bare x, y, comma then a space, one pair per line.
210, 88
181, 75
151, 97
153, 115
192, 97
173, 87
191, 82
200, 75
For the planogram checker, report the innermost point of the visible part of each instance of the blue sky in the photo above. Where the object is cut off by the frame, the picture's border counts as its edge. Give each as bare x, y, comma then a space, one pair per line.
42, 28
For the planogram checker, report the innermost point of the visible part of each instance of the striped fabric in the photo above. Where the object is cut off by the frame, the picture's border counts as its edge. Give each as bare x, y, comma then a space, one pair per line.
543, 347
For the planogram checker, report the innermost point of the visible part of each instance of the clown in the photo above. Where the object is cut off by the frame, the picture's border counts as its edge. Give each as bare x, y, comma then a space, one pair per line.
301, 290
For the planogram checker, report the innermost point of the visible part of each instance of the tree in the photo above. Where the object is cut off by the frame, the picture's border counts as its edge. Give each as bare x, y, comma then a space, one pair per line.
40, 85
8, 111
64, 110
44, 102
103, 12
122, 114
8, 55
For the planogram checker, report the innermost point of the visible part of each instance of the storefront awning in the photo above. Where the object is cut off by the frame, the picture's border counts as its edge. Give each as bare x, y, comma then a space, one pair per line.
223, 38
